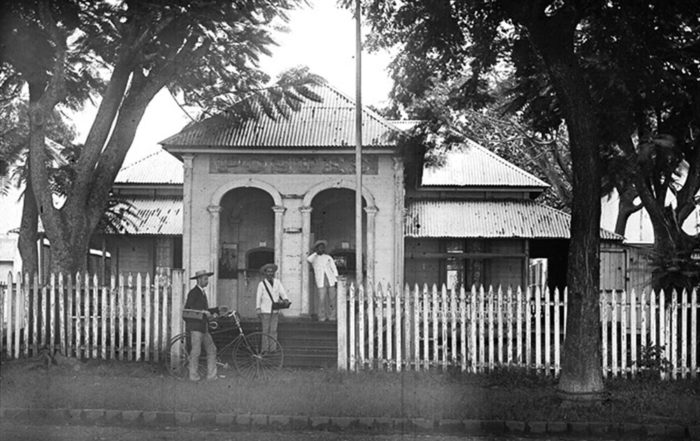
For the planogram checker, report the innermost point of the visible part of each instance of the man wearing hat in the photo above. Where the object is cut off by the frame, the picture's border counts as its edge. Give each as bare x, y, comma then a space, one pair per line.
199, 328
270, 290
326, 276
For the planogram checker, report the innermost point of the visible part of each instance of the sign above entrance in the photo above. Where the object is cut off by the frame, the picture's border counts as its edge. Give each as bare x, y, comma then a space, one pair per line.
303, 164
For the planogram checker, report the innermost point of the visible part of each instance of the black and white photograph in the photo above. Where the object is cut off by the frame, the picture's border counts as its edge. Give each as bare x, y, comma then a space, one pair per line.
349, 220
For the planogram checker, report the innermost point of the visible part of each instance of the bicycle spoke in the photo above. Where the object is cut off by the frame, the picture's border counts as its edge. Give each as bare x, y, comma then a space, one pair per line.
257, 354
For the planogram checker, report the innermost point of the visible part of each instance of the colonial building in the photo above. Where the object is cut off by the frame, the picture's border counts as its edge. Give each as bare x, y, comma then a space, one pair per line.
232, 197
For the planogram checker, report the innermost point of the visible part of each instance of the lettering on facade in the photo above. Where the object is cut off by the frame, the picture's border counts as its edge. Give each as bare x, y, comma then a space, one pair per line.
304, 164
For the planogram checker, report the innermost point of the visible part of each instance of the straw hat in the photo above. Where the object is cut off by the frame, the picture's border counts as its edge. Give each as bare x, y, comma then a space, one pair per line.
319, 242
201, 273
268, 265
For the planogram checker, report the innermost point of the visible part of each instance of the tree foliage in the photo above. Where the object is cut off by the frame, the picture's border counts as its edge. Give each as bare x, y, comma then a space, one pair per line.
122, 53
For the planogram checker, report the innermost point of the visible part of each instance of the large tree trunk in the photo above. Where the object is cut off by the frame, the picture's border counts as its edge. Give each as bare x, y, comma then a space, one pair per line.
29, 232
581, 376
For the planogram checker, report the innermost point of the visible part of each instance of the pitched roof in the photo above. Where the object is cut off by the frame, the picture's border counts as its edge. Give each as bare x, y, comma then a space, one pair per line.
161, 216
328, 123
157, 168
475, 166
488, 219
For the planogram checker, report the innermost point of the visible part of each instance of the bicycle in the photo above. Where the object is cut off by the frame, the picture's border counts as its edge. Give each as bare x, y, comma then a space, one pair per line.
254, 355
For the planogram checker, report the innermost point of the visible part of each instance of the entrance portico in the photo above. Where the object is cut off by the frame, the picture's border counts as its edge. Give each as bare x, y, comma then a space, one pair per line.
265, 189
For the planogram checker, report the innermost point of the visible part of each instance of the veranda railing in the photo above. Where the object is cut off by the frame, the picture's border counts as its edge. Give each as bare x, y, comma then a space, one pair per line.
479, 329
131, 319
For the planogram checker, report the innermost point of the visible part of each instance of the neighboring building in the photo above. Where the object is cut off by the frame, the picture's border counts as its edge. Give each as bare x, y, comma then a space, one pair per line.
265, 190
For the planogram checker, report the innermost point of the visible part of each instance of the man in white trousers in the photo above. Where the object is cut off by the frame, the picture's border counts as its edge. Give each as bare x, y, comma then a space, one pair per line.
326, 276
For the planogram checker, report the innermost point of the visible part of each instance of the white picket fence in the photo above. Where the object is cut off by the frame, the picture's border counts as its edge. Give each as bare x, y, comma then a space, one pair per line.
482, 329
131, 319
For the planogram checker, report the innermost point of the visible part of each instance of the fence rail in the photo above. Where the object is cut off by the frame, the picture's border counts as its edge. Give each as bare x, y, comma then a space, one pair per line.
130, 319
480, 329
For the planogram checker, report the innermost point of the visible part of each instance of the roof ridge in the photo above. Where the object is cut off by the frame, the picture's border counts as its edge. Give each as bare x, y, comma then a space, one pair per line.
365, 109
141, 159
504, 161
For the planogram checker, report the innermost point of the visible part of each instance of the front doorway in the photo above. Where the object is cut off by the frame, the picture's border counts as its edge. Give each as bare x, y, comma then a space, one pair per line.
247, 234
333, 220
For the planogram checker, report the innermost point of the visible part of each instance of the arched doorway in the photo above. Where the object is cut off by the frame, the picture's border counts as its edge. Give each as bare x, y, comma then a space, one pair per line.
247, 237
333, 220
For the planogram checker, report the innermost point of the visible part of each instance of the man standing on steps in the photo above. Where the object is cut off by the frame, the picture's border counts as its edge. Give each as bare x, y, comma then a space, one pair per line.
198, 328
326, 276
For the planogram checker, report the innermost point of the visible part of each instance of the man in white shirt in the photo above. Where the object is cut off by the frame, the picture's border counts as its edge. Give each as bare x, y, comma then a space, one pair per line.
326, 276
270, 290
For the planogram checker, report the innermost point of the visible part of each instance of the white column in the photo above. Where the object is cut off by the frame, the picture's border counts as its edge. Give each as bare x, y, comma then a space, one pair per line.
214, 225
305, 244
279, 214
371, 229
187, 161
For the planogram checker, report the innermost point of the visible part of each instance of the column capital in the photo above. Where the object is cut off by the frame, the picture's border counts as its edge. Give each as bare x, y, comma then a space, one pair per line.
214, 209
371, 210
187, 160
279, 209
306, 209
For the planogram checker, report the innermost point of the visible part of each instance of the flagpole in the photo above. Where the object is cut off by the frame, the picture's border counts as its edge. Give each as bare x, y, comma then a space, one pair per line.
358, 146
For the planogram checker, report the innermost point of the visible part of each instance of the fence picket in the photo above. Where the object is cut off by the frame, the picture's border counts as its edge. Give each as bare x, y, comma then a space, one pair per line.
528, 327
389, 343
3, 309
361, 295
644, 310
416, 328
34, 296
482, 329
103, 324
52, 317
94, 315
351, 327
121, 320
9, 315
633, 332
157, 288
509, 325
453, 325
519, 326
113, 317
557, 332
604, 332
538, 329
426, 339
473, 330
379, 299
614, 320
694, 333
397, 323
463, 327
662, 328
147, 319
442, 318
499, 325
624, 311
407, 331
138, 302
684, 334
86, 316
62, 316
371, 320
434, 317
547, 332
673, 344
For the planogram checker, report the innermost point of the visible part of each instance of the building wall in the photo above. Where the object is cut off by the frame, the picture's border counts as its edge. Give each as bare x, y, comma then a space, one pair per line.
428, 261
291, 190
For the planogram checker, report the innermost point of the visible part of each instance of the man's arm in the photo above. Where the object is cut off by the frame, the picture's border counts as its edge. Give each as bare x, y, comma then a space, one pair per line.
312, 257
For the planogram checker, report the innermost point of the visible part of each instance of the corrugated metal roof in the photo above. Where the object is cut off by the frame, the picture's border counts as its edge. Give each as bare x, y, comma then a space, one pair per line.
329, 123
158, 168
155, 216
405, 124
489, 219
475, 166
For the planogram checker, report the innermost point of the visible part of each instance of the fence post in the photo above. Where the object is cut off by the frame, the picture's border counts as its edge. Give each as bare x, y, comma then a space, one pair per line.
3, 296
178, 292
342, 323
694, 333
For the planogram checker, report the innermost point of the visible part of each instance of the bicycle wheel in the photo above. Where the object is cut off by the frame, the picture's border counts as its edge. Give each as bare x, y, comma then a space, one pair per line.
257, 355
176, 357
